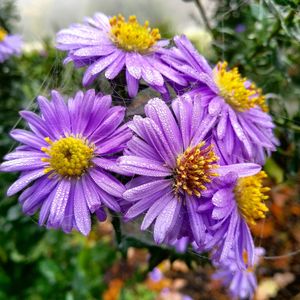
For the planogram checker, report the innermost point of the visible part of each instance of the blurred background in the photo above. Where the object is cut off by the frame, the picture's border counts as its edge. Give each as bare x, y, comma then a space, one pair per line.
262, 38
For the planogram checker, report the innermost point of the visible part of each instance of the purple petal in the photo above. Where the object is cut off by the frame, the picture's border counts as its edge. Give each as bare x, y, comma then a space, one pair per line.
156, 209
239, 131
116, 67
138, 147
109, 201
159, 112
36, 124
191, 54
90, 194
101, 215
167, 71
68, 220
22, 164
222, 197
23, 154
166, 220
132, 85
44, 213
215, 106
81, 213
146, 189
139, 207
109, 165
196, 221
24, 180
59, 202
133, 65
149, 131
143, 166
243, 170
28, 138
36, 194
149, 74
97, 67
108, 183
62, 112
221, 127
93, 51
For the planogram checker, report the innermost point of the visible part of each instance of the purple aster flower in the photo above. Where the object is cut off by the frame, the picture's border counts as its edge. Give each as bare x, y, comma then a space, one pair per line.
240, 282
114, 44
9, 45
174, 156
66, 160
243, 129
235, 204
240, 28
156, 275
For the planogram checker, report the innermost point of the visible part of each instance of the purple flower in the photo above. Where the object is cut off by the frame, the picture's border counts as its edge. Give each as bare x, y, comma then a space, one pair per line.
114, 44
243, 130
174, 156
240, 282
235, 204
239, 28
9, 45
65, 160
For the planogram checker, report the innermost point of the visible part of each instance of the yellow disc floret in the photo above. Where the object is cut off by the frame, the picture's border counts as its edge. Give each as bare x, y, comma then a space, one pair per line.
3, 34
69, 156
237, 91
194, 169
250, 196
132, 36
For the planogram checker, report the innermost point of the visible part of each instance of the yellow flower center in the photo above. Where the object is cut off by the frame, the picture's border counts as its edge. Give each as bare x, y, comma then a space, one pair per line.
3, 34
132, 36
250, 196
194, 169
68, 156
237, 91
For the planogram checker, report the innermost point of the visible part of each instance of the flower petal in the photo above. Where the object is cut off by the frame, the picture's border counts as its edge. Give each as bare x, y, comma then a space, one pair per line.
243, 170
166, 220
143, 166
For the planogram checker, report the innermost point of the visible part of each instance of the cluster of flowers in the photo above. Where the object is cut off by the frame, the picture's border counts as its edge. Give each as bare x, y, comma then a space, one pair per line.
193, 164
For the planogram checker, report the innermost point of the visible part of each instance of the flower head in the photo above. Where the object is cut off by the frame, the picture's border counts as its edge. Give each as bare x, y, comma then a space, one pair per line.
237, 91
132, 36
241, 283
236, 204
9, 45
66, 158
174, 155
112, 45
236, 106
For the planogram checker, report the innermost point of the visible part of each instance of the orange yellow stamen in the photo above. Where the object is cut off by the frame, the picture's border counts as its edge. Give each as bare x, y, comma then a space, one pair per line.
68, 156
237, 91
3, 34
250, 196
132, 36
194, 169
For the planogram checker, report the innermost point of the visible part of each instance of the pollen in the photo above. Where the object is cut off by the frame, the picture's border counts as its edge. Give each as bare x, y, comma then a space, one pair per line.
195, 168
3, 34
236, 90
132, 36
250, 194
68, 156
